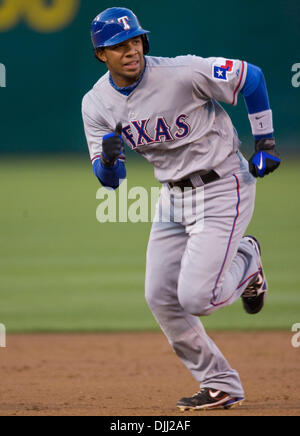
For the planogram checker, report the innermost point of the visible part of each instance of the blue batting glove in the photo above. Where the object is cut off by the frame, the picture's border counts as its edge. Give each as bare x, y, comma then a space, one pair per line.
266, 158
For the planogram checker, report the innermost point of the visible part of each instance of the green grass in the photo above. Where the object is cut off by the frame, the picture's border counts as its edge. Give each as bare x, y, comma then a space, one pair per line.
61, 270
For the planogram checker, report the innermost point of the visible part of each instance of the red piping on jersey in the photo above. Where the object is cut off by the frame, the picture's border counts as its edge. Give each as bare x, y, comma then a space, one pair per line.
239, 84
250, 277
95, 157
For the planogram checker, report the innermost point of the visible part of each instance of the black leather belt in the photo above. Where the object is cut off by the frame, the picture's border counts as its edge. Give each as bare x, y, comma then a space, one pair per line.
210, 177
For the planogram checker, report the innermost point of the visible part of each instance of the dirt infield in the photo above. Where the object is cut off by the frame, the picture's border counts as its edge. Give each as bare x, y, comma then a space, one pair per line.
137, 374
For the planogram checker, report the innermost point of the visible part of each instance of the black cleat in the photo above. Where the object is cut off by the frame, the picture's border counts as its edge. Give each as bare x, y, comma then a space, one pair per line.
255, 294
208, 398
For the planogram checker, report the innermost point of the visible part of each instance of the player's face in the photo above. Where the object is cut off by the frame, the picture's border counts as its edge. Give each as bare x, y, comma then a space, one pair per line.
125, 61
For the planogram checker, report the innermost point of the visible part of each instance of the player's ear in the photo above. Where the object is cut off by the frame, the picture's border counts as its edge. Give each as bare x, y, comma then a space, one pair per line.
100, 54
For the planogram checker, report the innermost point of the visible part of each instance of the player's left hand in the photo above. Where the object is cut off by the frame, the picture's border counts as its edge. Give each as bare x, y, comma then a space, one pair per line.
265, 159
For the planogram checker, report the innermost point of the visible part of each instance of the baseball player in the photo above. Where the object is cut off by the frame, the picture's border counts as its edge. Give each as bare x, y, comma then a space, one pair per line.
168, 111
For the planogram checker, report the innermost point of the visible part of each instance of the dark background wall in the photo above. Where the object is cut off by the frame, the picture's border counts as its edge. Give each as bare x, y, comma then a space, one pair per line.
49, 63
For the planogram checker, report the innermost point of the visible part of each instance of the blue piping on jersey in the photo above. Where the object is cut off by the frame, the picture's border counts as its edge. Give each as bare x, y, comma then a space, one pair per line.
127, 90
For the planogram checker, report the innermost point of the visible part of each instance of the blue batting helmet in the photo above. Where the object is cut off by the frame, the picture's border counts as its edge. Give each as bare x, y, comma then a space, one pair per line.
115, 25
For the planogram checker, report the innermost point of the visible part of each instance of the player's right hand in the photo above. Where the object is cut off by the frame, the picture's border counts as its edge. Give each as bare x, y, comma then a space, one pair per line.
265, 159
112, 146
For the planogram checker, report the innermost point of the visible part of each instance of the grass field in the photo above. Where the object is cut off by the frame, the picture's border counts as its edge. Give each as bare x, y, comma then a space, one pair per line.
61, 270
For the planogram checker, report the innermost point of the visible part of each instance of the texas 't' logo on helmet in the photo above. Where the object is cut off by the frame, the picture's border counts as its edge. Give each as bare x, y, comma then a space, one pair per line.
124, 21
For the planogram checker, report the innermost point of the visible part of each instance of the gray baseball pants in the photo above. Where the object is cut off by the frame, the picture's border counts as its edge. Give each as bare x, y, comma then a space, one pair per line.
194, 268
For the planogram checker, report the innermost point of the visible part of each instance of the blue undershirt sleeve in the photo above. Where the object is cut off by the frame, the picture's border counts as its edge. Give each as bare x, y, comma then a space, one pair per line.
256, 94
110, 177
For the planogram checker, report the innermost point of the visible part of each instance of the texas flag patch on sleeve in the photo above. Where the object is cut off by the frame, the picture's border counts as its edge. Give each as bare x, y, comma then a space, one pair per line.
221, 70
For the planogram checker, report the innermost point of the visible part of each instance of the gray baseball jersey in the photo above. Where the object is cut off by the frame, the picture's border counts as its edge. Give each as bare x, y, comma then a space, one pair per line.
172, 118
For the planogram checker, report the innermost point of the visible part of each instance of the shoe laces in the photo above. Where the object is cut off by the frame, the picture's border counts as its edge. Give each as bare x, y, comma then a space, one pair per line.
199, 392
252, 291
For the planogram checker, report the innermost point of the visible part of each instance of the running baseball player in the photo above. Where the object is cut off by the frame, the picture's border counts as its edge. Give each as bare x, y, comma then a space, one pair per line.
167, 110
